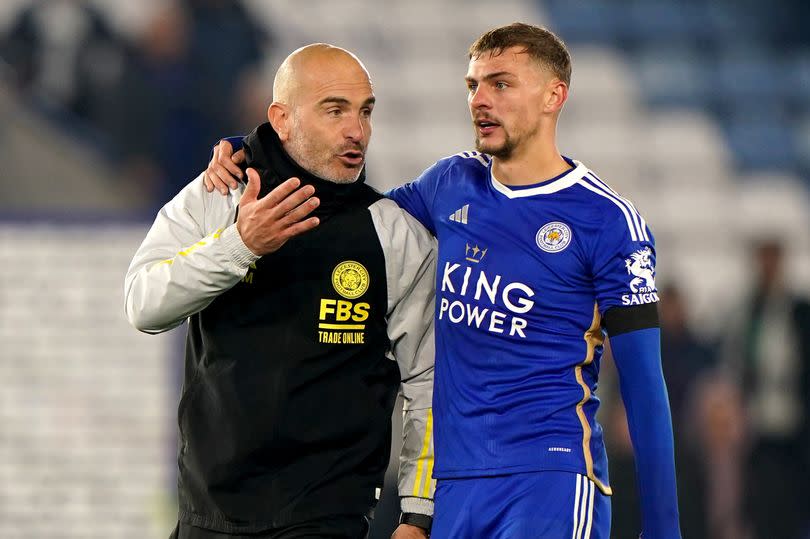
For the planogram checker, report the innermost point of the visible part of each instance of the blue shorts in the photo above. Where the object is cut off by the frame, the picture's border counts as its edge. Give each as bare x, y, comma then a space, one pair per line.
547, 505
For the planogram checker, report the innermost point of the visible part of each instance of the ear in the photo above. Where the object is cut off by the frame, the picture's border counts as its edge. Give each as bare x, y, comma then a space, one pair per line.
556, 95
278, 114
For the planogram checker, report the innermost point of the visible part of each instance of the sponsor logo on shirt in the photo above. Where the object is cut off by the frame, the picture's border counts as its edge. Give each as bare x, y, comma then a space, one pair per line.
642, 284
341, 321
486, 301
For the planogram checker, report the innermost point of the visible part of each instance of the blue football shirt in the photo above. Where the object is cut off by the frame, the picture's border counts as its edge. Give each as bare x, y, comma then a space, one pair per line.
524, 277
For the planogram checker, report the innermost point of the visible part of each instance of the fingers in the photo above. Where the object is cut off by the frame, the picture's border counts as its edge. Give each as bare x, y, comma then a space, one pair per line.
294, 200
226, 161
281, 192
303, 226
266, 224
222, 178
252, 189
300, 212
211, 177
293, 203
223, 170
225, 148
230, 172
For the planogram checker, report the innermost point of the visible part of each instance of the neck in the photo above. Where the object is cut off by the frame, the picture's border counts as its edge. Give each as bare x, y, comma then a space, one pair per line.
531, 163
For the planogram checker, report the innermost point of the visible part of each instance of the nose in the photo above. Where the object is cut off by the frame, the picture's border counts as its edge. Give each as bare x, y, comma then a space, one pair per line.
354, 129
478, 98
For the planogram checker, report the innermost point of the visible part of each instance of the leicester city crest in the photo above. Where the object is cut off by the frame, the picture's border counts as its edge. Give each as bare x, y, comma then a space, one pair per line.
350, 279
553, 237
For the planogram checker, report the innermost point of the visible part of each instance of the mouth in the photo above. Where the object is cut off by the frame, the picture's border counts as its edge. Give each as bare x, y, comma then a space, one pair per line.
352, 158
486, 126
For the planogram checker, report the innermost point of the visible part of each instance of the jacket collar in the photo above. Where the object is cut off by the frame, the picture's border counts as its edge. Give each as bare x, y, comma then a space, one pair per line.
264, 152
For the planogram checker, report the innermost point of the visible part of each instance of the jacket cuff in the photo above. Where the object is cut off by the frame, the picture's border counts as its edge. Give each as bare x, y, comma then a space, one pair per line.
236, 248
412, 504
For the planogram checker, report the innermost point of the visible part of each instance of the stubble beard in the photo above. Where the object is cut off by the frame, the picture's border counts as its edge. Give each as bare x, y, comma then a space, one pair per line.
510, 143
503, 152
307, 156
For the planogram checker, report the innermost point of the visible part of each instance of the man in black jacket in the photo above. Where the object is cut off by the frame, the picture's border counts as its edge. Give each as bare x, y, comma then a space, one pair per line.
308, 301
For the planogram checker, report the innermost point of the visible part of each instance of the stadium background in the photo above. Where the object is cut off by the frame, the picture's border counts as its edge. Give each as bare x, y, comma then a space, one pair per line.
699, 111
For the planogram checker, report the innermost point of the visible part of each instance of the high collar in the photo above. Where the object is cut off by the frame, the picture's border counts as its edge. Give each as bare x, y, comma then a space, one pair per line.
264, 152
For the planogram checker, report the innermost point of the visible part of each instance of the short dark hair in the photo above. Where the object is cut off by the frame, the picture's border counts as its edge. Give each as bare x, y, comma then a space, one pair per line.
538, 42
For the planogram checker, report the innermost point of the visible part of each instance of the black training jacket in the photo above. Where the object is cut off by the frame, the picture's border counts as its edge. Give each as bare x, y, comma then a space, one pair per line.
293, 359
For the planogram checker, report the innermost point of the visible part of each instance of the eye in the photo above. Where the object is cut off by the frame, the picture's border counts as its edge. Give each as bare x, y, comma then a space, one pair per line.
366, 112
471, 86
334, 112
501, 85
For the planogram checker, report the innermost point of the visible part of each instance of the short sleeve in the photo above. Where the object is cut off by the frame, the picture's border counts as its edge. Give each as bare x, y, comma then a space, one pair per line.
623, 262
417, 197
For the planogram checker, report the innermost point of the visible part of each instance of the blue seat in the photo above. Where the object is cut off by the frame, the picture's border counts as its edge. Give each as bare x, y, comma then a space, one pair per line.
749, 75
798, 83
663, 21
762, 144
802, 137
590, 21
726, 22
672, 76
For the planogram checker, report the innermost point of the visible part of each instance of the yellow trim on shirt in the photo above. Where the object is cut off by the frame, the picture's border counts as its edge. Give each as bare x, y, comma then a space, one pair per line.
425, 461
593, 337
189, 250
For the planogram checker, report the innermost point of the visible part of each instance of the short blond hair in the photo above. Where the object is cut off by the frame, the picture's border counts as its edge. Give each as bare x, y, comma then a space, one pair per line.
538, 42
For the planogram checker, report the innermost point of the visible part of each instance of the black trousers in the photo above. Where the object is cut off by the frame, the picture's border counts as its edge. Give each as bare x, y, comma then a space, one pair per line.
337, 527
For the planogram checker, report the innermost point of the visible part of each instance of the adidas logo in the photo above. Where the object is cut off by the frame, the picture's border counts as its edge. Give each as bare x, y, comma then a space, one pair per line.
460, 215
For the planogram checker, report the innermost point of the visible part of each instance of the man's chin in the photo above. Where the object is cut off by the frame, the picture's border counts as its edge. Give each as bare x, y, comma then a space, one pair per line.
500, 151
345, 175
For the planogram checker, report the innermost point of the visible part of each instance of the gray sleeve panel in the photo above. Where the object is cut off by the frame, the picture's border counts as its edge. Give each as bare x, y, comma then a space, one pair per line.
191, 254
410, 263
415, 483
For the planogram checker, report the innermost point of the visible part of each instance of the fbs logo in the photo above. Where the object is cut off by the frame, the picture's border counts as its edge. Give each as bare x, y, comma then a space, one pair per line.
350, 279
341, 321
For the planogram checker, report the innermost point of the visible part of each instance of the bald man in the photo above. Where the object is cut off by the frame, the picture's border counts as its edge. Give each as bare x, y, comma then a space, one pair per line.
309, 302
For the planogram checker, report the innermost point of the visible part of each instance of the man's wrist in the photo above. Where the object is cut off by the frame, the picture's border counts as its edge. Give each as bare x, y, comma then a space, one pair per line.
413, 504
417, 519
240, 253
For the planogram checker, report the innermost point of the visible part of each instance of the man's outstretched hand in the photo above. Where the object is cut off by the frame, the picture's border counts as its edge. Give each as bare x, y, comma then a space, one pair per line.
266, 224
223, 171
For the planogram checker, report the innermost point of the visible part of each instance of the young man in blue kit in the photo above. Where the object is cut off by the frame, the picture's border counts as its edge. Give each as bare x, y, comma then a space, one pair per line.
537, 258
